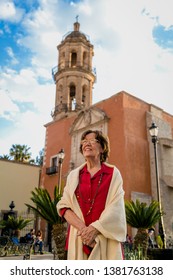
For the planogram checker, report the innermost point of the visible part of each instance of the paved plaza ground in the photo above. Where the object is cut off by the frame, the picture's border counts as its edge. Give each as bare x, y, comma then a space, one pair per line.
45, 256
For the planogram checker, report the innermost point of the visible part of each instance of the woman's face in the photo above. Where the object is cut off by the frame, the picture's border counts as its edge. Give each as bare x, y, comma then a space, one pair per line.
91, 148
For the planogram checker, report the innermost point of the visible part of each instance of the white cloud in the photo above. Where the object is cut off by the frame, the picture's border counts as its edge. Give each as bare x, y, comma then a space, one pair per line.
12, 56
7, 109
7, 9
28, 126
85, 8
29, 130
134, 62
9, 12
160, 10
24, 87
7, 29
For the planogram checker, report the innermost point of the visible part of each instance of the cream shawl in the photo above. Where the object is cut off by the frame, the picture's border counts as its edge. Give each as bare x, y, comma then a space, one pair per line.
111, 224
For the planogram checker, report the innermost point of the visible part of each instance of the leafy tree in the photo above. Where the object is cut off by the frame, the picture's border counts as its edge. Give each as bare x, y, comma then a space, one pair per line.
45, 207
142, 216
39, 159
20, 153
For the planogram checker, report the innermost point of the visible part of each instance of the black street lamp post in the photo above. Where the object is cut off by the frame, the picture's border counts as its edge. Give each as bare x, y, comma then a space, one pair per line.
61, 156
154, 137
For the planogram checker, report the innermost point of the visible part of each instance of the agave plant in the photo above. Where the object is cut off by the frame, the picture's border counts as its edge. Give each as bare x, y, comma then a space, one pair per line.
45, 207
142, 216
136, 254
15, 224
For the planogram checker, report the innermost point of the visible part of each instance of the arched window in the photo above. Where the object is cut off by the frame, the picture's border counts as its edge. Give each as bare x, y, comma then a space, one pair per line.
73, 59
72, 90
72, 103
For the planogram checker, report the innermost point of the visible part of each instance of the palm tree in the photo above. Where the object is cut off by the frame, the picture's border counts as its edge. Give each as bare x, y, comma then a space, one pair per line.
5, 157
20, 153
15, 224
45, 207
142, 216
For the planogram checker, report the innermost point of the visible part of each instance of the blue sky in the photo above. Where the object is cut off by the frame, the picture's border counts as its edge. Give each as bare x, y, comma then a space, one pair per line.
133, 47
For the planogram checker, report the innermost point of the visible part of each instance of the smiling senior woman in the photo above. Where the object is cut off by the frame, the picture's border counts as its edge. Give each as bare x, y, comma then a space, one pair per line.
93, 204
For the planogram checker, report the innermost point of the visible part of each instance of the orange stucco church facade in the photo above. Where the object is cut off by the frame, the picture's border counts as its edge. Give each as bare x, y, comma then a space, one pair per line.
123, 117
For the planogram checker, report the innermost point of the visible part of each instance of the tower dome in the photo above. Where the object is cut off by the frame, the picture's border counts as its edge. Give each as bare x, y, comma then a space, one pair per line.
76, 33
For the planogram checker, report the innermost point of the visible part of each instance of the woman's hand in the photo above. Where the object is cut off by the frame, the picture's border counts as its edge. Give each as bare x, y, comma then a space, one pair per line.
88, 235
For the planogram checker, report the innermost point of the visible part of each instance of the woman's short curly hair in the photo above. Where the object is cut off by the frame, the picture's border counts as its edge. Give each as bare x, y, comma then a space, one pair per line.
102, 139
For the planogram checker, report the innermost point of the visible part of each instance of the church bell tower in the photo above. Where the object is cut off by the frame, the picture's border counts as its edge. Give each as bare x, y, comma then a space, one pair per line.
74, 76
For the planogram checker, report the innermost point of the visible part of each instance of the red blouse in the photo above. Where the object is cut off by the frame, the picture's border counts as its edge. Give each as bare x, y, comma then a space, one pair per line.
91, 194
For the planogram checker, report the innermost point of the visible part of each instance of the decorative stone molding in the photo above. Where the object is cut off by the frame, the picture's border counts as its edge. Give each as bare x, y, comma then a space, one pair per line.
88, 117
91, 118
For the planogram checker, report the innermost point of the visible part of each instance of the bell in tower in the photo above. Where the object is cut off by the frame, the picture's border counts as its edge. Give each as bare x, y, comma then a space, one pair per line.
74, 76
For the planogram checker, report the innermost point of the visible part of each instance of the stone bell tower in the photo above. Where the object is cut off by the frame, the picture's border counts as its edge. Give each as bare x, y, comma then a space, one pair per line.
74, 75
